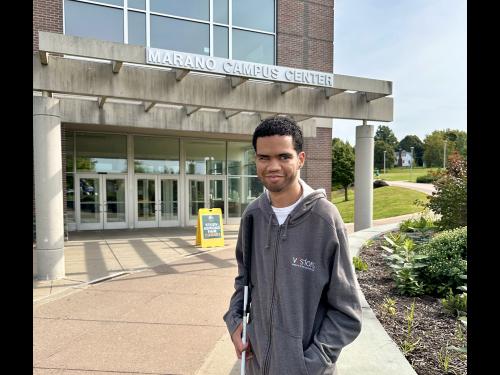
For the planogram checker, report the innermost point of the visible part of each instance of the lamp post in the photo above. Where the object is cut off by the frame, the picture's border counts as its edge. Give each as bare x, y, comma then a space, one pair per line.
444, 154
384, 160
411, 165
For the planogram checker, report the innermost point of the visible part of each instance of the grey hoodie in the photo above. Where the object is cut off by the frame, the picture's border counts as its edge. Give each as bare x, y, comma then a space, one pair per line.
305, 305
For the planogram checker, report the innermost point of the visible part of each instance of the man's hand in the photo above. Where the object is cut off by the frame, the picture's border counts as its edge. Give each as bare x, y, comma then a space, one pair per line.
238, 343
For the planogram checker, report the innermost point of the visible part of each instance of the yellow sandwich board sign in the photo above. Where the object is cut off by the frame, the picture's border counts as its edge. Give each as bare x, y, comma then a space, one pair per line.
209, 229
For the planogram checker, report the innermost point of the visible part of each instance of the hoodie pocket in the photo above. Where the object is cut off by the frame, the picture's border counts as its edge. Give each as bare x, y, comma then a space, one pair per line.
287, 355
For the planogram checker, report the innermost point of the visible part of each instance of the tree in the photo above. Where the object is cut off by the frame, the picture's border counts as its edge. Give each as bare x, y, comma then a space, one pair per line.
450, 198
384, 133
342, 164
378, 157
456, 140
413, 141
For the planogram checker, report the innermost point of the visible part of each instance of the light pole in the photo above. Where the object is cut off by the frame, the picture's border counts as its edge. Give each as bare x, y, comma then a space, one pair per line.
384, 160
411, 166
444, 154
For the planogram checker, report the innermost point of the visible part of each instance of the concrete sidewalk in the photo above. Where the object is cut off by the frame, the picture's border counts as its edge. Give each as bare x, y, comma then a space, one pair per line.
150, 302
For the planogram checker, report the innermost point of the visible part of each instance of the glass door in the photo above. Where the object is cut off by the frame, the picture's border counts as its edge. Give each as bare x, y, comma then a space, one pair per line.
168, 203
204, 192
156, 201
101, 201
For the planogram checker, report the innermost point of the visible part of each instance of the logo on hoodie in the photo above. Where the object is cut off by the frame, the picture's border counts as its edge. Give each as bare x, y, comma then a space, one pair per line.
303, 263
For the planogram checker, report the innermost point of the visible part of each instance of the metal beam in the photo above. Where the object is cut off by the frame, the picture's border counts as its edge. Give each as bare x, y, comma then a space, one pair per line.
148, 106
117, 65
92, 78
191, 109
229, 114
236, 81
285, 87
101, 100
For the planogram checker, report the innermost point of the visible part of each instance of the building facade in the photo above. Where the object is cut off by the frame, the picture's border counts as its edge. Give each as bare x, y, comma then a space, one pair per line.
142, 129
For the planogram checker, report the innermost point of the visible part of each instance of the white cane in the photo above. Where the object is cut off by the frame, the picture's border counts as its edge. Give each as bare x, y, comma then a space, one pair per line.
244, 335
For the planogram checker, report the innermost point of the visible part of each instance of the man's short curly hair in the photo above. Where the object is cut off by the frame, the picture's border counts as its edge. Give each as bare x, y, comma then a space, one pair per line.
279, 125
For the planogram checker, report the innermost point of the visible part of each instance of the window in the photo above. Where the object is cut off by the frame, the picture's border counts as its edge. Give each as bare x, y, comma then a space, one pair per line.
156, 155
180, 35
93, 21
183, 26
101, 153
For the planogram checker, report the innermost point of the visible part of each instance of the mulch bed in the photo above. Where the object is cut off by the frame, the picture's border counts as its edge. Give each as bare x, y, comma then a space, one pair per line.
432, 325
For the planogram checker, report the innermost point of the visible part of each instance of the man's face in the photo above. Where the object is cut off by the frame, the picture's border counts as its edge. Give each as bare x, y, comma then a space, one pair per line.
277, 162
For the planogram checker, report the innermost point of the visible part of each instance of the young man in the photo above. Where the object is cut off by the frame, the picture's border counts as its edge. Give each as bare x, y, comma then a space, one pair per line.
292, 249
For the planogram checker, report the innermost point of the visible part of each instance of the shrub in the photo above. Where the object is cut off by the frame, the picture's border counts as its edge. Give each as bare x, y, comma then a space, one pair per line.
426, 179
446, 261
455, 304
450, 198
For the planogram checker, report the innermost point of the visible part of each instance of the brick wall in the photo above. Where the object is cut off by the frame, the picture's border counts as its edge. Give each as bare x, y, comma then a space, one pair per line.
47, 16
317, 170
305, 34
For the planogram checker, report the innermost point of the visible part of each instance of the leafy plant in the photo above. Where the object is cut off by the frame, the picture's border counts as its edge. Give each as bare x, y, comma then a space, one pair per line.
444, 360
359, 264
409, 344
455, 304
368, 243
389, 306
405, 264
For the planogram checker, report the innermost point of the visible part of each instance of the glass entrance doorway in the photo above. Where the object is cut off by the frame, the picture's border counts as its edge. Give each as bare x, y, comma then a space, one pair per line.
156, 201
101, 201
204, 192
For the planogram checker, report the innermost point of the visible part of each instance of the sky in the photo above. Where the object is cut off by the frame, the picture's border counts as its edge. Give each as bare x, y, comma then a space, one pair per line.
419, 45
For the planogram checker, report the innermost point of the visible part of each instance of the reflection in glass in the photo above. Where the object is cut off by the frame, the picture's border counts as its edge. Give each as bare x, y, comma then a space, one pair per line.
216, 194
70, 151
101, 153
221, 42
221, 11
107, 23
156, 155
204, 157
180, 35
90, 211
196, 198
242, 191
146, 200
115, 200
136, 28
70, 198
186, 8
240, 158
138, 4
255, 14
168, 199
254, 47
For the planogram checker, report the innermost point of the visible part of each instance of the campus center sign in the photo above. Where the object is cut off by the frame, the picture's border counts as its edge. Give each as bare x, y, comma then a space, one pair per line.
217, 65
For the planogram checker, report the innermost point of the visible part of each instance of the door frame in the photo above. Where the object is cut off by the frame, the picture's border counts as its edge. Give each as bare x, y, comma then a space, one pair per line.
206, 181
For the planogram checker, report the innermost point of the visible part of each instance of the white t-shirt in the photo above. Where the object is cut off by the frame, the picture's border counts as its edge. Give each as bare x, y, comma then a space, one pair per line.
282, 212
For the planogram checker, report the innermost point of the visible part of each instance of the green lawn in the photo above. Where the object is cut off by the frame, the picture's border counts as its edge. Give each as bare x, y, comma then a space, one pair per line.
404, 174
388, 201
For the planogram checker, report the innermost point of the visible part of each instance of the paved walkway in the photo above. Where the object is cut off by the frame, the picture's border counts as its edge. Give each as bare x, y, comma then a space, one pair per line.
150, 302
424, 188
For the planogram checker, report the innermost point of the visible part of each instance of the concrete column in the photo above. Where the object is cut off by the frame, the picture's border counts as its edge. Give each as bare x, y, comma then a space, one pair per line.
363, 177
47, 155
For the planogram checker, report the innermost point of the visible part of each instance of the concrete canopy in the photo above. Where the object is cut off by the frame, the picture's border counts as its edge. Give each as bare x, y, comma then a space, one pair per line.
350, 98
